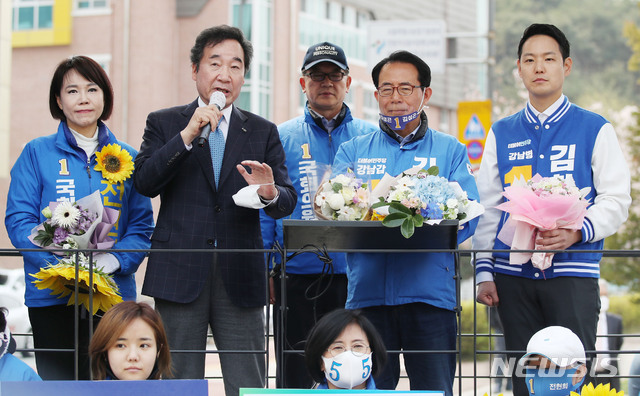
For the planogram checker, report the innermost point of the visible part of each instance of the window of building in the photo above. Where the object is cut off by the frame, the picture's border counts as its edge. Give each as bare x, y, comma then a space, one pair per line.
337, 23
32, 14
255, 19
371, 109
91, 7
84, 4
103, 60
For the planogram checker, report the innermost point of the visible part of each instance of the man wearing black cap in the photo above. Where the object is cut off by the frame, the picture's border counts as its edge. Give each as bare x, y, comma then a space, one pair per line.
314, 285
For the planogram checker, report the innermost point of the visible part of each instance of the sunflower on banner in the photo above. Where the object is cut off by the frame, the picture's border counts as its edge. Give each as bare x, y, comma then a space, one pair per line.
71, 227
600, 390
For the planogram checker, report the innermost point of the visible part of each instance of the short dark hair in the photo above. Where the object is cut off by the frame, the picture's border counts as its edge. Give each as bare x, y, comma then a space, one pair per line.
214, 36
546, 30
114, 322
87, 68
424, 72
328, 328
3, 319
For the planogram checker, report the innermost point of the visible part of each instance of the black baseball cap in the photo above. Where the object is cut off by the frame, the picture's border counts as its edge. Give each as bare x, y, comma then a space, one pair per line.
324, 52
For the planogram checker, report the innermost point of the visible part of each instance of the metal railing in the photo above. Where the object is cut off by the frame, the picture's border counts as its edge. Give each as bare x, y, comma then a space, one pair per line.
474, 375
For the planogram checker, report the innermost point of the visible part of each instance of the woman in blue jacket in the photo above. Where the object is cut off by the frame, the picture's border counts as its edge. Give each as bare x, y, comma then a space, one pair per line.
64, 167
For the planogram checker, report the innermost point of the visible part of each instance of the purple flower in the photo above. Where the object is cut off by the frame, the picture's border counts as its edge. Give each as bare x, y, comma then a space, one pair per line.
59, 235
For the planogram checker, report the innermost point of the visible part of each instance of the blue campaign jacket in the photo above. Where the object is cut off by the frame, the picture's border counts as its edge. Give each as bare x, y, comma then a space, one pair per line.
402, 278
310, 151
564, 148
14, 369
53, 168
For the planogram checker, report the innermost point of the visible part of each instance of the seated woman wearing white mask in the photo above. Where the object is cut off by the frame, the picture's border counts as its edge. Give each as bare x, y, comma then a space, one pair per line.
344, 351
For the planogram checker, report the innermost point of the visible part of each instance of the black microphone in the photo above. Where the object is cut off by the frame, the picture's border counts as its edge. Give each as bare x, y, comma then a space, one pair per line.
217, 98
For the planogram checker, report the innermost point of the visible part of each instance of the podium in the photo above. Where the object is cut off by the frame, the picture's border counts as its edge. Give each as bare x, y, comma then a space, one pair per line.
369, 236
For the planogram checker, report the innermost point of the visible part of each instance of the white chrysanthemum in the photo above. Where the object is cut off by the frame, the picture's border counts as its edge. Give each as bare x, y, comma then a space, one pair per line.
326, 210
348, 194
452, 203
336, 201
342, 179
400, 193
70, 244
406, 181
321, 198
347, 214
65, 215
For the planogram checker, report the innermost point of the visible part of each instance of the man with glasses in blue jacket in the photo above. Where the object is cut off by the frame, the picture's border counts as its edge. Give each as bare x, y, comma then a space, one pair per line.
314, 285
409, 297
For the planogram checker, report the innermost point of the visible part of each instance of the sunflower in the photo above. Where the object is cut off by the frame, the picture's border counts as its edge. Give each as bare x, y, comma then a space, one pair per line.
600, 390
61, 279
115, 163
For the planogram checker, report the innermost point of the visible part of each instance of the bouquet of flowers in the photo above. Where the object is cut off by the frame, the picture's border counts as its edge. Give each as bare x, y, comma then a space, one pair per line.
541, 203
419, 196
61, 279
70, 226
343, 197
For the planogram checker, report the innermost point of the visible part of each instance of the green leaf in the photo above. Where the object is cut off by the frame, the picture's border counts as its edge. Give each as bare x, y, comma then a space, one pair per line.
45, 237
433, 171
336, 187
395, 207
407, 228
418, 220
394, 219
380, 204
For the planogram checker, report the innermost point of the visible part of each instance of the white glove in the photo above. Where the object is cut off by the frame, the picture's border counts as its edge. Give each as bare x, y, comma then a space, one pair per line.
106, 262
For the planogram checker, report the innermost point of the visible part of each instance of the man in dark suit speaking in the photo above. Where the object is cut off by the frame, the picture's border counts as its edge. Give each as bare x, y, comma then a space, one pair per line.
243, 151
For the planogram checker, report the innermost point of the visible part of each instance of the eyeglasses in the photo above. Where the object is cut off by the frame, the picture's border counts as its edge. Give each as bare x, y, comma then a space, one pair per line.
403, 89
319, 76
357, 349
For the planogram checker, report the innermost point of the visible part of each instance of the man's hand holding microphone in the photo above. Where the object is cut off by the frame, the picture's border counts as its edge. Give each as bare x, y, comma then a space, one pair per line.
204, 119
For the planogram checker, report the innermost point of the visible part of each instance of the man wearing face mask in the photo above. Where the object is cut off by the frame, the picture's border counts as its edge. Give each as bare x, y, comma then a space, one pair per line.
314, 286
409, 297
555, 362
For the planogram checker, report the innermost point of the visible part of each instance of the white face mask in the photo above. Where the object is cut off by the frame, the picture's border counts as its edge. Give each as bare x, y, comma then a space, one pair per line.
347, 370
248, 197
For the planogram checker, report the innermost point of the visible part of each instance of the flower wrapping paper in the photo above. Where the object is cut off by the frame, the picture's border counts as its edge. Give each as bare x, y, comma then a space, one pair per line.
530, 211
96, 236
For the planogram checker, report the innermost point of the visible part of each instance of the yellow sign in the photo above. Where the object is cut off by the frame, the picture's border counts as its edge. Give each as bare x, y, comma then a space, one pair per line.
474, 122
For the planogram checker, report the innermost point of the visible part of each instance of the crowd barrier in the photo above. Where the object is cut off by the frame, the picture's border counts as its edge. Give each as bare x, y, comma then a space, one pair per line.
475, 374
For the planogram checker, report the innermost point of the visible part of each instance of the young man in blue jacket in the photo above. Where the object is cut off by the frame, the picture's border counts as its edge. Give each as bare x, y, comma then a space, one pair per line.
314, 287
409, 297
550, 136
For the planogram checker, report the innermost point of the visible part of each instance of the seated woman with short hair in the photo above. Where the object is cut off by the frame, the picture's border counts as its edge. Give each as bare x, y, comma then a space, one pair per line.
344, 351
